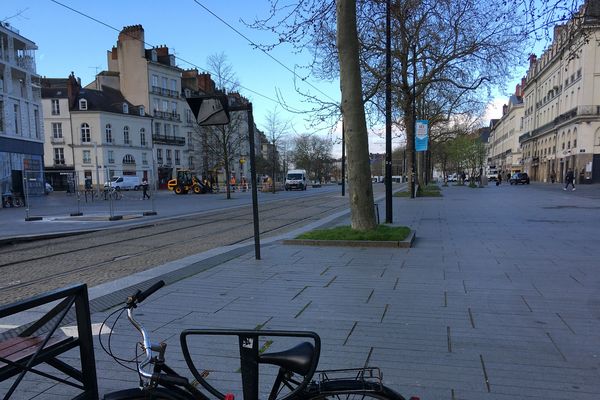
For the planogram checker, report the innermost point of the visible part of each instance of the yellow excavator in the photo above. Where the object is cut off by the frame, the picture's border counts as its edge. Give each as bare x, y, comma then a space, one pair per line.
185, 182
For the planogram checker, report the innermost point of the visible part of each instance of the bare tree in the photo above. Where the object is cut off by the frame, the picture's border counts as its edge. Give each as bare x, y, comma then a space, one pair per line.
275, 130
225, 142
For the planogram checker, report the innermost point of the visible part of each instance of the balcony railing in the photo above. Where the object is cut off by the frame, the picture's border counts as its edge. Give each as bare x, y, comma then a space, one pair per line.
55, 140
581, 111
167, 115
27, 63
165, 92
172, 140
59, 161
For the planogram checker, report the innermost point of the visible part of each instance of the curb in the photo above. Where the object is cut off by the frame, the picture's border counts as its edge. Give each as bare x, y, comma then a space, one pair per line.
406, 243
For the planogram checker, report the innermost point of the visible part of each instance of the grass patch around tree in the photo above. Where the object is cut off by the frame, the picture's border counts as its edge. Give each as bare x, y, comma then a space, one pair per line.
380, 233
431, 190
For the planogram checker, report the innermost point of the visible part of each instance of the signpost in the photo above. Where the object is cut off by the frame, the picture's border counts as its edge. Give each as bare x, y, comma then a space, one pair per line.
421, 135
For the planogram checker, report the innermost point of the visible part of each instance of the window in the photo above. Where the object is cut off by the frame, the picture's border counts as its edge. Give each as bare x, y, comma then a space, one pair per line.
142, 111
125, 108
165, 106
574, 143
59, 156
155, 80
167, 130
157, 127
111, 157
36, 122
57, 130
142, 137
177, 160
165, 82
174, 107
159, 158
55, 107
156, 104
174, 85
144, 159
17, 118
108, 133
83, 104
87, 159
168, 154
569, 144
85, 133
128, 159
188, 115
126, 135
175, 130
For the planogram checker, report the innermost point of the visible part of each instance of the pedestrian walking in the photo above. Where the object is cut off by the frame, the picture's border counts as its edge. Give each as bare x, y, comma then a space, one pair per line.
145, 190
499, 179
570, 180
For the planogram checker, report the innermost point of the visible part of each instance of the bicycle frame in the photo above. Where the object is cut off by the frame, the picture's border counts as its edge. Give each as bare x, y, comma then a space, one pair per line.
250, 358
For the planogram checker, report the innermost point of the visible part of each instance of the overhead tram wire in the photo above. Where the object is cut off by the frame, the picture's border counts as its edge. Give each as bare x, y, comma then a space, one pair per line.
152, 46
264, 51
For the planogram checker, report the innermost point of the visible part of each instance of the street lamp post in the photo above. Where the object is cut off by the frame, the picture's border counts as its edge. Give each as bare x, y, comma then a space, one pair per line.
388, 116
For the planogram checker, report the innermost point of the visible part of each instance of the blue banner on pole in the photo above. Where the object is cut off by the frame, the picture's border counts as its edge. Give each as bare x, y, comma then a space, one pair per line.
421, 135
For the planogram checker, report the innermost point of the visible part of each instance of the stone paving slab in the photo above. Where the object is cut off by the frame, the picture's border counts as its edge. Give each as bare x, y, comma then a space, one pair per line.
496, 300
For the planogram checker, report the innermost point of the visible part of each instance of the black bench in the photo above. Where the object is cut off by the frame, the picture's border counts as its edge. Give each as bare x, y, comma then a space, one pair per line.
24, 348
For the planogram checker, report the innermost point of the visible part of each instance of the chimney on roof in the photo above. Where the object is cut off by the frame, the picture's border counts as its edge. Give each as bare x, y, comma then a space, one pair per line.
504, 109
162, 51
532, 60
518, 90
132, 32
73, 88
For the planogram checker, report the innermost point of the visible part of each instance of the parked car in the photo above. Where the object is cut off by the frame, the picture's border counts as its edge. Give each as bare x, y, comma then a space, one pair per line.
519, 177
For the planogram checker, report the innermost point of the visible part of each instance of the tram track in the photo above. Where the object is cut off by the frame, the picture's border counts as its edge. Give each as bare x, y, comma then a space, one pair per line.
89, 257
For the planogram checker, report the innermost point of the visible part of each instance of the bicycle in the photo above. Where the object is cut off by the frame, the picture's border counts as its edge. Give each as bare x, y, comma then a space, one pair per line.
112, 193
294, 380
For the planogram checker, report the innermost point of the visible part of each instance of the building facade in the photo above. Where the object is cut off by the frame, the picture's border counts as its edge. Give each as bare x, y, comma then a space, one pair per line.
151, 78
562, 103
93, 135
21, 132
504, 151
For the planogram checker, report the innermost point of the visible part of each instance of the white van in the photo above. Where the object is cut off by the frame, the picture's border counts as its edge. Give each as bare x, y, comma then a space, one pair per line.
124, 183
296, 179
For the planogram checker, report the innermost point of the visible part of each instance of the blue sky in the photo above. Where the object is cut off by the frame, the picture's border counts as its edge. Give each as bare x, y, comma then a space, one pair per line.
69, 42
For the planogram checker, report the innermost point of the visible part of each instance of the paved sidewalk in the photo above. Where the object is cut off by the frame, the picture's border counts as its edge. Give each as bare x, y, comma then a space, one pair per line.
498, 299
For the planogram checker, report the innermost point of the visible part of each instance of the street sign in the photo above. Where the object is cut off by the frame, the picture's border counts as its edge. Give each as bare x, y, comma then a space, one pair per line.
421, 135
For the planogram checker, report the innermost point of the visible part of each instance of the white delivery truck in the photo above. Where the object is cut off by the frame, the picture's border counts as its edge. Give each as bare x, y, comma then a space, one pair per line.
296, 179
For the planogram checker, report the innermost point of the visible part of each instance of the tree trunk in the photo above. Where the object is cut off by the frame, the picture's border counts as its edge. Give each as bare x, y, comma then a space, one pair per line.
359, 173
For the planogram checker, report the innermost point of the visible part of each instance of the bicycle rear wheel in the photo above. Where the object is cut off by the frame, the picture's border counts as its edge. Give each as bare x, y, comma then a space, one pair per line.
353, 390
138, 394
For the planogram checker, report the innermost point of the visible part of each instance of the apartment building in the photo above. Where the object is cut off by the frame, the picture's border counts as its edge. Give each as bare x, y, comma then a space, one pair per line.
561, 94
21, 133
151, 78
96, 134
504, 151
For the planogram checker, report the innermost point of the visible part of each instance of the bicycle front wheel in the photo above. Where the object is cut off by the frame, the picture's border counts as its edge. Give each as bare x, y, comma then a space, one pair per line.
352, 390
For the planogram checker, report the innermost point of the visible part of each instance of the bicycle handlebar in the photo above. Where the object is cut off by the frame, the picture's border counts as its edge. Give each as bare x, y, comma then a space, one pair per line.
142, 296
132, 301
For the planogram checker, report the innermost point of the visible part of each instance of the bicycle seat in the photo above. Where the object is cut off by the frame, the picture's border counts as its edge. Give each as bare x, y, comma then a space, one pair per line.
297, 359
